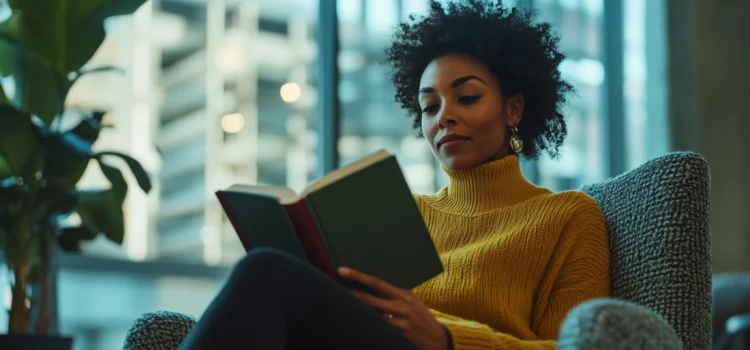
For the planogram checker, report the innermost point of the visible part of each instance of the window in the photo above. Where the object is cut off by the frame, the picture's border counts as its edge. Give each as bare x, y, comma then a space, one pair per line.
229, 92
370, 118
582, 158
645, 81
252, 108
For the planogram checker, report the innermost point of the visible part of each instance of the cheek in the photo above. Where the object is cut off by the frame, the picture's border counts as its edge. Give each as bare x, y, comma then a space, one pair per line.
491, 127
428, 128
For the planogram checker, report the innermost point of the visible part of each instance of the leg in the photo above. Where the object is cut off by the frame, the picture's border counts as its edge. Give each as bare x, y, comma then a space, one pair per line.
274, 301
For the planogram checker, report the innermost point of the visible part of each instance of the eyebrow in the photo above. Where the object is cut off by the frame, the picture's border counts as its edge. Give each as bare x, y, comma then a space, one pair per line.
456, 83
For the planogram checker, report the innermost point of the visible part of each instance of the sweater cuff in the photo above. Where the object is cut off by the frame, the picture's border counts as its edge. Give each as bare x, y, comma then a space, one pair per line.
463, 337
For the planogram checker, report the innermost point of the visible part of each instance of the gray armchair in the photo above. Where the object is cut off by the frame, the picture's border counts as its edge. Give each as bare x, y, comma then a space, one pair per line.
657, 216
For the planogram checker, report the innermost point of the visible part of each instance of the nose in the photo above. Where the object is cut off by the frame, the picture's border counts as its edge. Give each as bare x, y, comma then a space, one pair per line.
447, 116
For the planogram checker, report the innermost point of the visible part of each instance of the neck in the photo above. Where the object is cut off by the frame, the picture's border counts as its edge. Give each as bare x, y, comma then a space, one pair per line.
486, 187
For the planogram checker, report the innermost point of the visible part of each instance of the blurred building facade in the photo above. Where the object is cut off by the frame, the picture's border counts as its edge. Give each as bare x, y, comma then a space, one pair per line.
230, 89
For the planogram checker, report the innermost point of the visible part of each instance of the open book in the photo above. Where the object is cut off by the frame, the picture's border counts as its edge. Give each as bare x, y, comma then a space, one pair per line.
362, 216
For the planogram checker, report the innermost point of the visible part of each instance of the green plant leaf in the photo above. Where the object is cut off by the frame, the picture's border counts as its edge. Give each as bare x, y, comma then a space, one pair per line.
68, 33
116, 180
144, 182
88, 129
101, 69
70, 238
39, 88
12, 189
39, 91
11, 38
20, 145
5, 170
67, 156
12, 192
102, 211
98, 115
18, 31
58, 200
3, 98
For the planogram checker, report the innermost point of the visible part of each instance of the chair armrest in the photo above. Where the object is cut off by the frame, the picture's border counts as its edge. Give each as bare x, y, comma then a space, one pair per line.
158, 330
616, 324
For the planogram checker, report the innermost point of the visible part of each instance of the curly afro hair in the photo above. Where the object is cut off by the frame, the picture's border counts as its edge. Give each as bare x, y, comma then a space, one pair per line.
523, 56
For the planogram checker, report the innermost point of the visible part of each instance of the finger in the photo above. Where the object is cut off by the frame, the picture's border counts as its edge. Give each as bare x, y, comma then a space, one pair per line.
398, 322
381, 305
376, 284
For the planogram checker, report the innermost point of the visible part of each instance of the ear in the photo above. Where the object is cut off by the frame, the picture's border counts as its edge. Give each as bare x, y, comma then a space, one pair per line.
514, 105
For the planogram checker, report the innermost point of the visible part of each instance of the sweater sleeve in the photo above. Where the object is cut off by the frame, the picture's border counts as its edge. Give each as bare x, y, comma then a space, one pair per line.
581, 273
466, 335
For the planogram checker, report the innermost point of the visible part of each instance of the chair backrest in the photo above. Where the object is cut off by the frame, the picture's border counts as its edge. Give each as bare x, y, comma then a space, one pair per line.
658, 221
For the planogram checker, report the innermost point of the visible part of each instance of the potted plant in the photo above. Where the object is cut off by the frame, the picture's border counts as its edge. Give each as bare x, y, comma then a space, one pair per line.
43, 47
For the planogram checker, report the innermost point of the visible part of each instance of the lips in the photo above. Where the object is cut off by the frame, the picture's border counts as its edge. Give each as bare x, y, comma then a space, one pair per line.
451, 138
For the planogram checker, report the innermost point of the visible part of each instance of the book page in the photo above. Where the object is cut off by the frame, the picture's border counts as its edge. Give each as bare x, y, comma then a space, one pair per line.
285, 195
345, 171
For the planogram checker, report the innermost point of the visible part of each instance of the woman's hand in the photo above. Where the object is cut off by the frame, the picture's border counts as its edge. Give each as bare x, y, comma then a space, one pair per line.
402, 309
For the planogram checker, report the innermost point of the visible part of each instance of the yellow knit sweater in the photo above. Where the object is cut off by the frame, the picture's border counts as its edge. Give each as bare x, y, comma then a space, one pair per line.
517, 257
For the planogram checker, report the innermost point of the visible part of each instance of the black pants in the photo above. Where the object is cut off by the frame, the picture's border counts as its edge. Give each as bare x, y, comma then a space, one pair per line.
274, 301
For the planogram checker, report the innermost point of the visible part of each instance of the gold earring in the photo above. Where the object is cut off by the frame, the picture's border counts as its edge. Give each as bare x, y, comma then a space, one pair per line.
516, 142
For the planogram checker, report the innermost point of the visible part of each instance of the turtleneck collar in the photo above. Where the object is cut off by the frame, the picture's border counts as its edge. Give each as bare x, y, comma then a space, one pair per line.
486, 187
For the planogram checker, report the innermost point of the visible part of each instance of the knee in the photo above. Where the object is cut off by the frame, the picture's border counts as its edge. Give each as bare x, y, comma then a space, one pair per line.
265, 262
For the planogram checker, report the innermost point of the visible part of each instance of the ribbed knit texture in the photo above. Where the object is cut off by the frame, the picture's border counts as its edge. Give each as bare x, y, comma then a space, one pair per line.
517, 257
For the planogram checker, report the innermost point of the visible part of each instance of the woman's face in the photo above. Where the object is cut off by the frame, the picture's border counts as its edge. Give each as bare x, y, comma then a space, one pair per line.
465, 118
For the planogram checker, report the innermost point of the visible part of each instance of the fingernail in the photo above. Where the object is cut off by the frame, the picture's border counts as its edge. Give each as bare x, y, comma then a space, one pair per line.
343, 271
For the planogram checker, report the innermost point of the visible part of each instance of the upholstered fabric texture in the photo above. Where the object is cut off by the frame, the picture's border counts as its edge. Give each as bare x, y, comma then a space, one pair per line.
658, 219
607, 324
162, 330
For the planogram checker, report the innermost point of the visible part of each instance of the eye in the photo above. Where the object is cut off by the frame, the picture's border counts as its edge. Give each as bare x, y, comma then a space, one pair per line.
431, 109
468, 99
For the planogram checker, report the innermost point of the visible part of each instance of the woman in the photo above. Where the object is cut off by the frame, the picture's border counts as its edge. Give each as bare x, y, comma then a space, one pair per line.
483, 86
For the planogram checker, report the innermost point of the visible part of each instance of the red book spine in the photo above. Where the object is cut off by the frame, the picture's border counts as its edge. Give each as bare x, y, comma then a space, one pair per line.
308, 234
230, 215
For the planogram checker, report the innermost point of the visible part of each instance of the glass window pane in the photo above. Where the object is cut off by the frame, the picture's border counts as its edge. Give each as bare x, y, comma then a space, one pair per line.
270, 92
582, 159
645, 85
370, 118
228, 91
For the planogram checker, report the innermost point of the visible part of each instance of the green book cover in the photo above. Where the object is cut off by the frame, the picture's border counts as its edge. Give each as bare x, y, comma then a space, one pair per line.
370, 222
261, 221
361, 216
